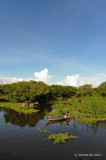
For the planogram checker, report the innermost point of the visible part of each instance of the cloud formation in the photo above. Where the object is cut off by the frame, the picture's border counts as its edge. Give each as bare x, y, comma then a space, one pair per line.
10, 80
77, 80
70, 80
42, 76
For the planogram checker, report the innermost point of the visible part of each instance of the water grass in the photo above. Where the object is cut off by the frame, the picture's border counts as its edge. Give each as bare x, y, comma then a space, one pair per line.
18, 107
43, 130
60, 137
59, 108
95, 105
88, 110
89, 120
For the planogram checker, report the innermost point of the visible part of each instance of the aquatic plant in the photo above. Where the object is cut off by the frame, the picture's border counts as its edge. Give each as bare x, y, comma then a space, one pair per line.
95, 105
18, 107
88, 110
89, 119
43, 130
60, 137
59, 108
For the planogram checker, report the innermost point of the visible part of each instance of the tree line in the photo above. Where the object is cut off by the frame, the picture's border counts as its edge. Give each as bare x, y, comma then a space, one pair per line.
38, 91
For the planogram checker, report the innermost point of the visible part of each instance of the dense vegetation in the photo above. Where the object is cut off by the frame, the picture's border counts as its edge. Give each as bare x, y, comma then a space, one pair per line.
21, 91
84, 100
35, 91
87, 110
18, 107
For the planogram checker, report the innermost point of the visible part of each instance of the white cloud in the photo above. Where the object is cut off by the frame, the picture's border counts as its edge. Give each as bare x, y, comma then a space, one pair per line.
70, 80
10, 80
77, 80
42, 76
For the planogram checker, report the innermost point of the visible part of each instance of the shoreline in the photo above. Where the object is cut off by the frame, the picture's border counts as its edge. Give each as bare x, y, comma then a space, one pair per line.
18, 107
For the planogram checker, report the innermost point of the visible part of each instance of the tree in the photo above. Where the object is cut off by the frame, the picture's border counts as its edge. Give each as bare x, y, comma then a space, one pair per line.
85, 90
102, 89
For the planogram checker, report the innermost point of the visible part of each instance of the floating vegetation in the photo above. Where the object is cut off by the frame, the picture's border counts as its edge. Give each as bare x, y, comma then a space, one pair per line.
94, 105
61, 137
88, 110
43, 130
18, 107
89, 119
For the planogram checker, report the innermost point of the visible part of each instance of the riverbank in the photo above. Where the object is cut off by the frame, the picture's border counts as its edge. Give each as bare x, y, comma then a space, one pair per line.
86, 110
18, 107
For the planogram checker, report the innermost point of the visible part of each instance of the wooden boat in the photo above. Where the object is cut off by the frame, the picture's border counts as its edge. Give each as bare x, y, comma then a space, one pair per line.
58, 119
54, 120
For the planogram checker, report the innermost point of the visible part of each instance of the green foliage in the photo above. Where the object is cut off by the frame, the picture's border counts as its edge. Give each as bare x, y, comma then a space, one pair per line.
95, 105
43, 130
19, 92
18, 107
38, 91
1, 90
93, 100
61, 137
63, 91
101, 90
85, 90
58, 109
89, 119
89, 109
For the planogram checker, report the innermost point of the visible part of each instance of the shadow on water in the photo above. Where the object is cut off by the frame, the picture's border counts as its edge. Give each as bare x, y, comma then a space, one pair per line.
79, 128
95, 127
31, 120
27, 143
21, 119
59, 122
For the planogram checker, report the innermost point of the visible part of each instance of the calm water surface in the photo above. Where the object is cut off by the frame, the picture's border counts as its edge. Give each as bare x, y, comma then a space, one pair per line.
21, 140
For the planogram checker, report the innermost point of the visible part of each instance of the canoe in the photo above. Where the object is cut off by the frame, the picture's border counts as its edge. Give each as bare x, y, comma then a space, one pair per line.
58, 119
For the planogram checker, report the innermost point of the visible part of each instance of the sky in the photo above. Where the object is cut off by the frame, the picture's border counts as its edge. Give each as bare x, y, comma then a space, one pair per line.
57, 42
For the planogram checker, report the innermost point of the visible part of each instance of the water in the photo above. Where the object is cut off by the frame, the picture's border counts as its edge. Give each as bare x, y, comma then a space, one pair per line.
21, 140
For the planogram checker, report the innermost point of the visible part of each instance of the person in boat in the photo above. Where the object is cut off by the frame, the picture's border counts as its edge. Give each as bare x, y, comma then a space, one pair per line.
67, 115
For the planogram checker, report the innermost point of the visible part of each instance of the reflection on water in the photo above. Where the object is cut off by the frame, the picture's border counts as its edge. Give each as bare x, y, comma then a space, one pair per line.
60, 122
18, 142
31, 120
21, 119
95, 127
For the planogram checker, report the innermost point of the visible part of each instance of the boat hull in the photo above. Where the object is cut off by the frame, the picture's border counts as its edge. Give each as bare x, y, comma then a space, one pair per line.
60, 119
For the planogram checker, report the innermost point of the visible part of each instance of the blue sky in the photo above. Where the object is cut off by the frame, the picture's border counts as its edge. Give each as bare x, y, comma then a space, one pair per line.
68, 37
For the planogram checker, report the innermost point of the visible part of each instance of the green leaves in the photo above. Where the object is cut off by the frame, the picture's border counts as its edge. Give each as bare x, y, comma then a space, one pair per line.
61, 137
102, 89
63, 91
21, 91
18, 107
43, 130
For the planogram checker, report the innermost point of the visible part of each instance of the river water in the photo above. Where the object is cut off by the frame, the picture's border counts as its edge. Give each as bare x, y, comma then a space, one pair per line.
20, 138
